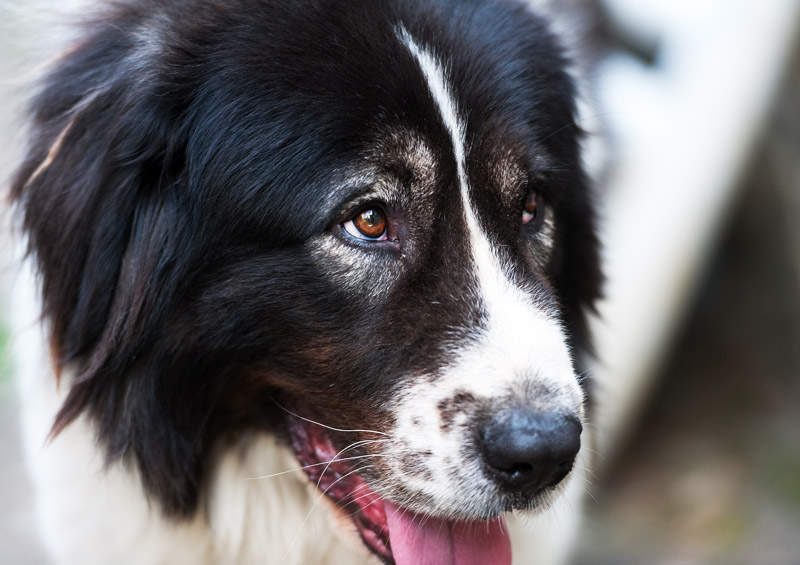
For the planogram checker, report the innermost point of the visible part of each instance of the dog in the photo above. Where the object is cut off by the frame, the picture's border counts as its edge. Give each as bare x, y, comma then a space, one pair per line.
314, 280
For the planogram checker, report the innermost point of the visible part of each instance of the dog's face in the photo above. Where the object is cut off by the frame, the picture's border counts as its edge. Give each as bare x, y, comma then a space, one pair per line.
372, 217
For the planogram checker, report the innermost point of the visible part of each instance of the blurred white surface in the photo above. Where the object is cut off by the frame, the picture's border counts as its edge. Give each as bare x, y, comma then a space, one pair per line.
685, 129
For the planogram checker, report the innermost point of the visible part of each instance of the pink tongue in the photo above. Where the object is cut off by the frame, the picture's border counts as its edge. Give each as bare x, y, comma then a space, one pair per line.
418, 540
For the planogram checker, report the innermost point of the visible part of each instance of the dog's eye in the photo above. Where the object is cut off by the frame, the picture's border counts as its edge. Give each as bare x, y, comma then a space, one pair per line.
369, 224
531, 209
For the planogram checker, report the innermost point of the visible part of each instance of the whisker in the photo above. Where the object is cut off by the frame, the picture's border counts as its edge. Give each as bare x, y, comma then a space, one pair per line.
311, 511
373, 491
351, 446
310, 421
379, 498
314, 506
354, 457
330, 486
350, 500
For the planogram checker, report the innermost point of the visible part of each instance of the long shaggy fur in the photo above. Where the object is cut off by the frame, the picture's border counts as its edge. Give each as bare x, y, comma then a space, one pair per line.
189, 165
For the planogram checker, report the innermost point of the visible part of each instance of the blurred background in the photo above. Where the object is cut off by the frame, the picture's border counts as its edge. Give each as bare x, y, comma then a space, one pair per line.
708, 471
698, 338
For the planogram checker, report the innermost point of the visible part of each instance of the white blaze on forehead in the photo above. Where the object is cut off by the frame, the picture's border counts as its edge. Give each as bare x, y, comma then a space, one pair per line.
494, 283
515, 323
522, 351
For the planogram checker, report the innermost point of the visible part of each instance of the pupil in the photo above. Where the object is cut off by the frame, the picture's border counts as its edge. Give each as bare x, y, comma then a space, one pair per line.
370, 217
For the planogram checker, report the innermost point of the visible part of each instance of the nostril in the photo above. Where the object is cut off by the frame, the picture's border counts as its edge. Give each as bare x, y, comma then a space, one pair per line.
521, 468
527, 450
516, 473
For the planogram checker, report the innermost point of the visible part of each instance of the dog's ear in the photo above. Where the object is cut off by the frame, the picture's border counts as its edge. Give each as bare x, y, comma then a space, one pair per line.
576, 271
556, 125
102, 211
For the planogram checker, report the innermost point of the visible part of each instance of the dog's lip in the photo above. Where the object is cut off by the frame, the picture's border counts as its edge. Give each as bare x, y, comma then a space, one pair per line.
335, 475
380, 523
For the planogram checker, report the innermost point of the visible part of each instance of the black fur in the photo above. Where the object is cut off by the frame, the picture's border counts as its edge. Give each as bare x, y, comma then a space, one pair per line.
196, 154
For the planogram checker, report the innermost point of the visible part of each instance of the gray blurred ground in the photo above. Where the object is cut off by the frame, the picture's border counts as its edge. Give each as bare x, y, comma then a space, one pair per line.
712, 473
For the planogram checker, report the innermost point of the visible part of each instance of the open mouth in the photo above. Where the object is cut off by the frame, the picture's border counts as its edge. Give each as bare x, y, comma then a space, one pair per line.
394, 534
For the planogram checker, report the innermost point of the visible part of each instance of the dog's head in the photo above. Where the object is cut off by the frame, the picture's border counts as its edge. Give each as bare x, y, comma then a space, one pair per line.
372, 216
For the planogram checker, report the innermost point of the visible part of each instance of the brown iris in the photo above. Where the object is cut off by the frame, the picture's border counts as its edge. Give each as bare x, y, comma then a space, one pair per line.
371, 223
530, 210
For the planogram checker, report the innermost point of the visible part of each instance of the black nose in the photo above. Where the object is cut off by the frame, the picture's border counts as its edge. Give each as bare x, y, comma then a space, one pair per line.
527, 450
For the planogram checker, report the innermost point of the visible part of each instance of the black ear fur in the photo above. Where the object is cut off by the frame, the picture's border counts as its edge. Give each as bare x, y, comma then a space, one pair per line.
576, 272
99, 197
